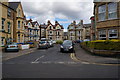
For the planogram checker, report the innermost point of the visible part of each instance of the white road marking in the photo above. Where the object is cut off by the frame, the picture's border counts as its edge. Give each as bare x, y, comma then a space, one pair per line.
36, 61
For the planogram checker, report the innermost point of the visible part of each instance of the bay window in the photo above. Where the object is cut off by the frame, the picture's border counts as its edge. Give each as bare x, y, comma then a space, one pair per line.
102, 12
113, 33
102, 34
112, 10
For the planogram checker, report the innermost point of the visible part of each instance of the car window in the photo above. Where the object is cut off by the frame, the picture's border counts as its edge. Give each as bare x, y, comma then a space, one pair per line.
12, 43
41, 42
67, 43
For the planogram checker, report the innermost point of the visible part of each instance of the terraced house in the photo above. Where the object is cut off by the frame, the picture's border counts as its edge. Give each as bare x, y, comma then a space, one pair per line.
76, 31
32, 30
54, 32
107, 17
43, 30
18, 22
6, 23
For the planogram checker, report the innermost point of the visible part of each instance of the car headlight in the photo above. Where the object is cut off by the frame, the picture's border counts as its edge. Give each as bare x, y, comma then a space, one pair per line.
70, 47
61, 46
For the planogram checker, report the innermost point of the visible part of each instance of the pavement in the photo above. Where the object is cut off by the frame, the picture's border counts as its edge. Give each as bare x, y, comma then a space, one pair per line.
86, 56
10, 55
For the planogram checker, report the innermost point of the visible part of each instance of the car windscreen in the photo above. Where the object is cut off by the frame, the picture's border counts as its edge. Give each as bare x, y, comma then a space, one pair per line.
42, 42
67, 43
12, 43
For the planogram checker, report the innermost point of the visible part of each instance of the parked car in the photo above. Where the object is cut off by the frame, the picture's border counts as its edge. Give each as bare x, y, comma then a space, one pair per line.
67, 45
51, 43
12, 46
43, 44
86, 40
79, 41
54, 41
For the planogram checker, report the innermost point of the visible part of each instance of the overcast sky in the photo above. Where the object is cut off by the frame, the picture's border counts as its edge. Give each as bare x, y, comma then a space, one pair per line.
64, 11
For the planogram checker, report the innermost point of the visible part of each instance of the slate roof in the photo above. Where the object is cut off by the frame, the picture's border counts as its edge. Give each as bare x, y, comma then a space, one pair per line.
87, 25
14, 5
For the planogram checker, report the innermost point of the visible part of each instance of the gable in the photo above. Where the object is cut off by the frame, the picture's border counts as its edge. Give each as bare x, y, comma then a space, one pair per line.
58, 27
50, 27
71, 27
20, 11
29, 24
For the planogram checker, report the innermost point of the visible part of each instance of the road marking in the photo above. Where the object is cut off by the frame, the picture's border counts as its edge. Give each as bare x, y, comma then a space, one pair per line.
73, 57
36, 60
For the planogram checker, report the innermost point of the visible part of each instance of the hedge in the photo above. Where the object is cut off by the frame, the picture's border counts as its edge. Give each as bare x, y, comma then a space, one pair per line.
103, 44
59, 42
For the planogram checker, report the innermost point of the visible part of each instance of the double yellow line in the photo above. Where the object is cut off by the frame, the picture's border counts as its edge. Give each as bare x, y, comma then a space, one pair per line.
73, 57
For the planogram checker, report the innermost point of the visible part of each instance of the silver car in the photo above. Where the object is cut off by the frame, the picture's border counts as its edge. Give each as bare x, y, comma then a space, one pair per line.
11, 47
51, 43
43, 44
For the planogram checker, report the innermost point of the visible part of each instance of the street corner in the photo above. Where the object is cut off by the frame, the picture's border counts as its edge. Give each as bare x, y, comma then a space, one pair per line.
74, 57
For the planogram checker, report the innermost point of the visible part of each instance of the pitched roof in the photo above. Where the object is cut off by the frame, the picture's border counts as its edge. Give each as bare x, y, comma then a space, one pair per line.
87, 25
33, 23
27, 21
56, 23
14, 5
43, 25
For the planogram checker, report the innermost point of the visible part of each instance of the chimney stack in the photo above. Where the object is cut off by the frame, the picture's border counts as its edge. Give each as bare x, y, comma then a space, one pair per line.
81, 22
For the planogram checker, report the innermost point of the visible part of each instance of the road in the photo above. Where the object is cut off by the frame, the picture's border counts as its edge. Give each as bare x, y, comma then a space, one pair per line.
51, 63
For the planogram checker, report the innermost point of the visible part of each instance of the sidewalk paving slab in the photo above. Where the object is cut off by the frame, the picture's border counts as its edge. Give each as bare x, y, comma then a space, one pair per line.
84, 55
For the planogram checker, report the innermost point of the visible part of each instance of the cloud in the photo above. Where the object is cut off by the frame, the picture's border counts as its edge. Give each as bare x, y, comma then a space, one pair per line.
43, 10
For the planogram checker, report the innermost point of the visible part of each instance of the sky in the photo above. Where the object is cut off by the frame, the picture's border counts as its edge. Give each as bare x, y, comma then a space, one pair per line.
64, 11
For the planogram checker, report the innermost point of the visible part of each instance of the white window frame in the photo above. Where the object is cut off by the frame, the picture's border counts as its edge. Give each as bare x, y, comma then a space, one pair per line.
102, 13
18, 24
71, 27
9, 12
102, 32
9, 29
3, 24
112, 31
112, 10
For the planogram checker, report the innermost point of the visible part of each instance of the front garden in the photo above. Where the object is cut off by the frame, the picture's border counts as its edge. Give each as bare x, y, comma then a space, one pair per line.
102, 47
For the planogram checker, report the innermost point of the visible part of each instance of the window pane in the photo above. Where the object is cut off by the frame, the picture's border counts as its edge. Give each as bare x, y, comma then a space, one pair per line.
18, 24
102, 9
102, 12
112, 10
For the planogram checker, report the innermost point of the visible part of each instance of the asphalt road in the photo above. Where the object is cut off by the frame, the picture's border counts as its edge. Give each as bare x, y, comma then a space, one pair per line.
51, 63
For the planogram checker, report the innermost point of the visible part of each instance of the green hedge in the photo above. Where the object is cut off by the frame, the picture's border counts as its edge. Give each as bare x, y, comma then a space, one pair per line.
59, 42
102, 44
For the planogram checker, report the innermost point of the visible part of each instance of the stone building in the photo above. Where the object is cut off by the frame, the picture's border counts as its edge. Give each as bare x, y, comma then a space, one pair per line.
54, 32
43, 30
18, 22
76, 31
107, 17
7, 16
32, 30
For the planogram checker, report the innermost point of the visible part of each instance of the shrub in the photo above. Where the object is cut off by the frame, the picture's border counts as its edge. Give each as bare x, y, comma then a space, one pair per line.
103, 44
59, 42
